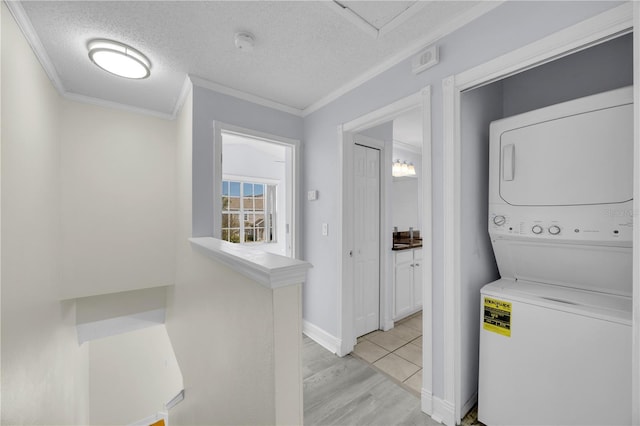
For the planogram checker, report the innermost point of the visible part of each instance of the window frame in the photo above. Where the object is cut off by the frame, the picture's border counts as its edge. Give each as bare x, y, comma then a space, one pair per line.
269, 208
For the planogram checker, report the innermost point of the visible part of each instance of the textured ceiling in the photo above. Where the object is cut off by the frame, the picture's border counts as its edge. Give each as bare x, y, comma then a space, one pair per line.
304, 50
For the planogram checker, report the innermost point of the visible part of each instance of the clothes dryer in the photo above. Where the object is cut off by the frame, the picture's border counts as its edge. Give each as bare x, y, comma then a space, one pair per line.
555, 337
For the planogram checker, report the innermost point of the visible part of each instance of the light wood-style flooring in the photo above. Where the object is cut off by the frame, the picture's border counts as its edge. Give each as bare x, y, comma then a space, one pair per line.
347, 391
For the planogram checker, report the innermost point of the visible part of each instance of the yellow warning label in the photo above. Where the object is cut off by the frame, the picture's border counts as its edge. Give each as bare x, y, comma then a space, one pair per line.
497, 316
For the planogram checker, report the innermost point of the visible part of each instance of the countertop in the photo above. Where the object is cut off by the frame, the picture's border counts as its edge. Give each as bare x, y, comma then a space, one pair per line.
406, 244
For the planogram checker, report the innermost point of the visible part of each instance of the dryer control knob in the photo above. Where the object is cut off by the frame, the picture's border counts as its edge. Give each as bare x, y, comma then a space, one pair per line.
499, 220
537, 229
554, 229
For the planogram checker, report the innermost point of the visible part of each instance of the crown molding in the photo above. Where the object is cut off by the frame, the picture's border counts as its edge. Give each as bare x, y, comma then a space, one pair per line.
187, 86
24, 23
115, 105
414, 48
216, 87
17, 11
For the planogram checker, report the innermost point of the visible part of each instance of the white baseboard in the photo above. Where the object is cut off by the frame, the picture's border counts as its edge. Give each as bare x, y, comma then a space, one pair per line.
426, 402
469, 404
321, 337
443, 412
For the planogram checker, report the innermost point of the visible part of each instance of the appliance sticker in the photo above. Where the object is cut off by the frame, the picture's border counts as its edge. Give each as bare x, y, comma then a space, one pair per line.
497, 316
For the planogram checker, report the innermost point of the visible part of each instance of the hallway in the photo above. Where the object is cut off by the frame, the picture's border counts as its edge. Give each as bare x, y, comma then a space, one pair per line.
348, 391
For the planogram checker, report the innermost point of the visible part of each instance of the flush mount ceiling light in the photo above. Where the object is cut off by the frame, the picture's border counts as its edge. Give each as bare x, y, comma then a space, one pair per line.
119, 59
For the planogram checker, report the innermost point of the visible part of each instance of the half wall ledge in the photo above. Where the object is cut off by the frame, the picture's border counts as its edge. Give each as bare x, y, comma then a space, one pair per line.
271, 270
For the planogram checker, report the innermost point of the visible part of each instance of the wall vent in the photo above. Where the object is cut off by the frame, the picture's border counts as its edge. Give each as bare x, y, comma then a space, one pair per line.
425, 59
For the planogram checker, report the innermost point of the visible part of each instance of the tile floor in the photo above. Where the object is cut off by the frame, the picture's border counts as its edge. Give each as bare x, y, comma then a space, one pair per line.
397, 352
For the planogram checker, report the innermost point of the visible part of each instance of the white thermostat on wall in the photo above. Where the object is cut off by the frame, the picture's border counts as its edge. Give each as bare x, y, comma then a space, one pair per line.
425, 59
312, 195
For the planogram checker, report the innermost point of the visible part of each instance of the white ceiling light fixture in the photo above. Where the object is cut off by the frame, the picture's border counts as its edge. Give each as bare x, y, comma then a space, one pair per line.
245, 41
119, 59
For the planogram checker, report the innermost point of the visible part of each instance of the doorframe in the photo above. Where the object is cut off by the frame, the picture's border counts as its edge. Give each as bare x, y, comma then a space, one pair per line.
582, 35
346, 333
220, 127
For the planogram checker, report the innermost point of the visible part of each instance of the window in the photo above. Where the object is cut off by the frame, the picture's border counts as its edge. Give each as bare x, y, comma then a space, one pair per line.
248, 212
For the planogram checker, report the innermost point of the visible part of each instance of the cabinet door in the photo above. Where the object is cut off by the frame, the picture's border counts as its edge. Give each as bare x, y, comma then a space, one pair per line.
417, 278
403, 287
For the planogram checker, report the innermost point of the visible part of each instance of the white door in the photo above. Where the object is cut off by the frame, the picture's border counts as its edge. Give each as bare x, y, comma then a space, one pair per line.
366, 200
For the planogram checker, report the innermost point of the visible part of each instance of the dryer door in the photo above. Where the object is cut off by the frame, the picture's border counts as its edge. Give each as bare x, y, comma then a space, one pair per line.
578, 159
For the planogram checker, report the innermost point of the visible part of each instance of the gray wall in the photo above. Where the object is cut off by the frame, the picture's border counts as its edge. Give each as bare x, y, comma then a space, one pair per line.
600, 68
209, 106
478, 108
506, 28
382, 132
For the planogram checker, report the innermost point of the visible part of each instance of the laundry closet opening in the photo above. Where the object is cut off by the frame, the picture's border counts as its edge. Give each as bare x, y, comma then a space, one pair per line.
599, 68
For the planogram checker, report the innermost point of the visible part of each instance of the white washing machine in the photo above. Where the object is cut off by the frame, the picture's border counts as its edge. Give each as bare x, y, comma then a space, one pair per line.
555, 337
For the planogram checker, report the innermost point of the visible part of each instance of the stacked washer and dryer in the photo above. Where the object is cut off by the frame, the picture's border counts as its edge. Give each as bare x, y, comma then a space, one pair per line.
555, 333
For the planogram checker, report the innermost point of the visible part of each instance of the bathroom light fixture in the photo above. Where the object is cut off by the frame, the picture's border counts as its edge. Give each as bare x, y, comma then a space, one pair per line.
403, 169
119, 59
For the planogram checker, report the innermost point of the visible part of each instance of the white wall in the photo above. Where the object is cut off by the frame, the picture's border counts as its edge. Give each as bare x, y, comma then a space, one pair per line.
45, 373
406, 206
132, 376
218, 322
118, 200
504, 29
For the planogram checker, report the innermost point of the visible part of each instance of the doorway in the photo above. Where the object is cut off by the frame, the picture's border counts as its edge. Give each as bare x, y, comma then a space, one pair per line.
347, 318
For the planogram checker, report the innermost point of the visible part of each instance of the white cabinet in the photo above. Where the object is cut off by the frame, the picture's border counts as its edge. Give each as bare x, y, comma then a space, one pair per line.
417, 279
407, 282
